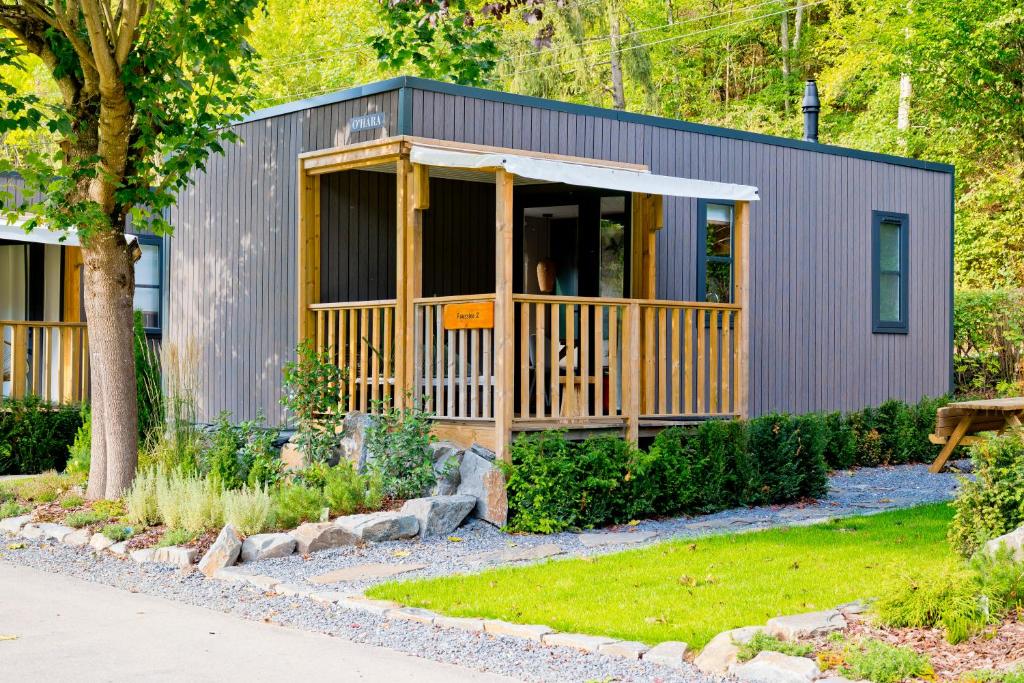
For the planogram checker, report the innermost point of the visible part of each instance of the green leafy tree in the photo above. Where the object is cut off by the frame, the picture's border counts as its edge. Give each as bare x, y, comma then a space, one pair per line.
145, 91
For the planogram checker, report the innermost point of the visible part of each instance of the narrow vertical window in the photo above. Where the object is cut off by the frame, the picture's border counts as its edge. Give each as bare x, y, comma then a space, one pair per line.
148, 276
714, 259
889, 272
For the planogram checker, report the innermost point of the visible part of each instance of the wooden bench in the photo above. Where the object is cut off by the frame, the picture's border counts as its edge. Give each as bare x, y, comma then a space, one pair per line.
958, 423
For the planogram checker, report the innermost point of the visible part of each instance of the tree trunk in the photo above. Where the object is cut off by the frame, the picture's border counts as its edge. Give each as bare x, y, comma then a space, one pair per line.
670, 14
110, 286
618, 91
798, 24
906, 93
784, 44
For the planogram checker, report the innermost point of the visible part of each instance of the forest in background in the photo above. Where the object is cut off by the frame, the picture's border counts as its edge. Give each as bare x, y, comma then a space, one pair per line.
929, 79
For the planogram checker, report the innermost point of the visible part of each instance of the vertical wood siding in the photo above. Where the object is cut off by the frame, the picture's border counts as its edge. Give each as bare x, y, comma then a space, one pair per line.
458, 238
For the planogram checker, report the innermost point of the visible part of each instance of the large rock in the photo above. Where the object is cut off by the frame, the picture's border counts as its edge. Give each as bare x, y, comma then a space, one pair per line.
439, 515
223, 553
352, 444
46, 531
380, 526
266, 546
313, 536
77, 538
177, 555
13, 525
100, 541
1013, 541
719, 654
485, 482
775, 667
807, 625
670, 653
447, 461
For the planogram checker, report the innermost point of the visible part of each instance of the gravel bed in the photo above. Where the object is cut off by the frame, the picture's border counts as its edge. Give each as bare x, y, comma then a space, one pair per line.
524, 660
863, 491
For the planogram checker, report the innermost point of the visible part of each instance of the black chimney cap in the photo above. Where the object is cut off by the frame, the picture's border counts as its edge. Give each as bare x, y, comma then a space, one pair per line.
811, 102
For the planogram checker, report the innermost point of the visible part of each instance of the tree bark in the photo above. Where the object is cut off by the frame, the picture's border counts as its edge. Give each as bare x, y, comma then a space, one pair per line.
906, 94
784, 44
614, 34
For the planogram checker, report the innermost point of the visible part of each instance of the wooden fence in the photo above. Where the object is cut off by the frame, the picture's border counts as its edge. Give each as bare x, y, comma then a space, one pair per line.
46, 359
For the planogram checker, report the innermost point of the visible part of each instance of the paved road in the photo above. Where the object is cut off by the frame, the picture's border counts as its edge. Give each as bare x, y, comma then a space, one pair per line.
73, 630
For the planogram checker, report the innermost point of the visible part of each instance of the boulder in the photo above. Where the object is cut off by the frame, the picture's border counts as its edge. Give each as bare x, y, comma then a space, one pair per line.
669, 653
119, 548
291, 457
447, 461
1013, 542
481, 479
352, 445
266, 546
627, 649
775, 667
46, 531
439, 515
719, 654
100, 542
77, 538
13, 525
223, 553
807, 625
313, 536
380, 526
177, 555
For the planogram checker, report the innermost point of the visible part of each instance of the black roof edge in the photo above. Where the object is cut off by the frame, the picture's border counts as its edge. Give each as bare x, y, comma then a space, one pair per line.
589, 110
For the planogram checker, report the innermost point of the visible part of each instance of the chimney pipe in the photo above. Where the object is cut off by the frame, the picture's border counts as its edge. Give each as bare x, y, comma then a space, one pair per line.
811, 107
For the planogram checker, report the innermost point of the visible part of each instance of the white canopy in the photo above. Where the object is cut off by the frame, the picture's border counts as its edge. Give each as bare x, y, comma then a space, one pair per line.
38, 235
582, 174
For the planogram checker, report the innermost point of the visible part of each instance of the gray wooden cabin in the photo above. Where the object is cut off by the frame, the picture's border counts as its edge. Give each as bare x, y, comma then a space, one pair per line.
832, 292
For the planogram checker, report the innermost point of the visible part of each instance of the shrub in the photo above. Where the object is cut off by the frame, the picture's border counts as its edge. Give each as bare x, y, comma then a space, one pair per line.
1015, 675
841, 443
988, 338
178, 444
71, 501
110, 509
176, 537
296, 504
10, 508
187, 502
876, 661
221, 461
312, 395
80, 451
262, 460
699, 470
83, 518
149, 396
399, 442
992, 503
786, 457
140, 501
762, 642
118, 532
951, 601
347, 491
46, 487
541, 483
248, 510
35, 435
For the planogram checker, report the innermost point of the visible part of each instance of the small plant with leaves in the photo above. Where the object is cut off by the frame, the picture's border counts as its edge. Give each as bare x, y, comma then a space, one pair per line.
296, 504
110, 509
313, 396
80, 451
70, 501
118, 532
763, 642
140, 500
11, 508
399, 441
249, 510
347, 491
879, 662
176, 537
83, 518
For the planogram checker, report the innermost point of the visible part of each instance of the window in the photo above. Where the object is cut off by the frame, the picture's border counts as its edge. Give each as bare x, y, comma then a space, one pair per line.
148, 277
889, 272
714, 260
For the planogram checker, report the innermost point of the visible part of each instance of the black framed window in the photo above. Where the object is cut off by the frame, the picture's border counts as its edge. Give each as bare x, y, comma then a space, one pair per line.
889, 261
715, 224
149, 283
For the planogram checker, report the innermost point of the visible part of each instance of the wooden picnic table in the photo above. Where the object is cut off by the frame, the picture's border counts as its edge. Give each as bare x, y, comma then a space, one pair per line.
957, 423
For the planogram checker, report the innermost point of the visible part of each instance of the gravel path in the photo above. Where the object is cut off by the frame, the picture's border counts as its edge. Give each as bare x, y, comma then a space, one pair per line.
858, 492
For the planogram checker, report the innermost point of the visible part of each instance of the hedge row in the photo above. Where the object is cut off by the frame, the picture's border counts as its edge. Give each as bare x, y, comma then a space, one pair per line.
555, 484
35, 435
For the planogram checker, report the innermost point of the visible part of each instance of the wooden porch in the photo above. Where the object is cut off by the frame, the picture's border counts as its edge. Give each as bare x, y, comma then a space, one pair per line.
45, 359
491, 364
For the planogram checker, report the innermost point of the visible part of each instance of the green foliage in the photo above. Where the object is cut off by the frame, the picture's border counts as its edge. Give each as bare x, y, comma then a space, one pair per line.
263, 461
110, 509
949, 600
297, 503
187, 502
220, 461
1015, 675
179, 444
312, 396
176, 537
249, 510
346, 491
988, 339
992, 502
541, 483
762, 642
80, 450
879, 662
35, 435
895, 433
399, 442
11, 508
46, 487
71, 500
118, 532
84, 518
438, 39
786, 456
140, 500
149, 396
841, 443
241, 454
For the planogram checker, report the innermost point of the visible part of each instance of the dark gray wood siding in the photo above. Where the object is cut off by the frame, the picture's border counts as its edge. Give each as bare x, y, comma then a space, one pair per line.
458, 238
232, 258
811, 342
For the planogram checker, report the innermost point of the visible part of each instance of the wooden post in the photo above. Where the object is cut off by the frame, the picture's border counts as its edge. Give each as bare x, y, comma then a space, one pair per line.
646, 221
504, 323
72, 303
403, 209
417, 192
308, 250
741, 285
631, 385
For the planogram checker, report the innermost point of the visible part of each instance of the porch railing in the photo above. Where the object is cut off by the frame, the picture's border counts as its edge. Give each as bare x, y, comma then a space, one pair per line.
46, 359
360, 336
453, 369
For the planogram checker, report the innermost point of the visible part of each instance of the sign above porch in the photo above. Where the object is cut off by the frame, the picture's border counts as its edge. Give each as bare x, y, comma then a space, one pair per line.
583, 174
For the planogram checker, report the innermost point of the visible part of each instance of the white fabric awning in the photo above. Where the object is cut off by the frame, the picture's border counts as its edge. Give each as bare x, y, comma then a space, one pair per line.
585, 175
38, 235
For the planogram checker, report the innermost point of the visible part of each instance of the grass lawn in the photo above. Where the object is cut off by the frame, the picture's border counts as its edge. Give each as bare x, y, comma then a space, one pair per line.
690, 590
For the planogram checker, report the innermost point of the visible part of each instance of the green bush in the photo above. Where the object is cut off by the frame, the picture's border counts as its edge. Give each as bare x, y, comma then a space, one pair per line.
221, 461
149, 396
249, 510
176, 537
541, 483
992, 503
118, 532
786, 457
297, 503
189, 503
140, 500
879, 662
110, 509
312, 394
399, 442
841, 442
347, 491
1015, 675
241, 454
71, 501
35, 435
10, 508
950, 601
762, 642
80, 450
83, 518
699, 469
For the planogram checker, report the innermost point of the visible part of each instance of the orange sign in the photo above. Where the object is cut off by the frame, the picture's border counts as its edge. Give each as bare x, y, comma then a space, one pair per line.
474, 316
